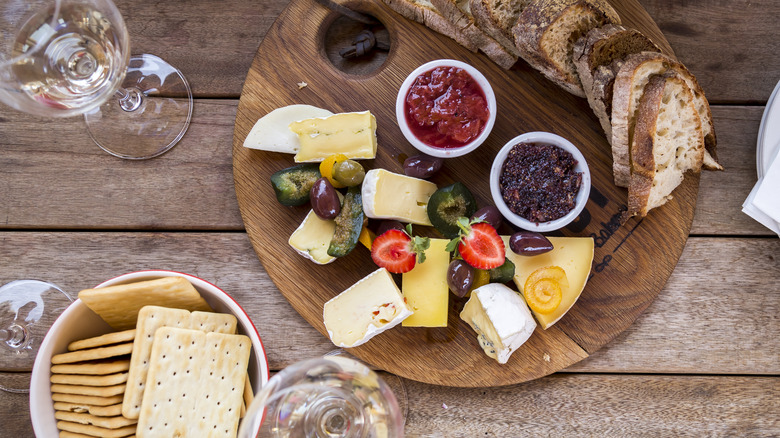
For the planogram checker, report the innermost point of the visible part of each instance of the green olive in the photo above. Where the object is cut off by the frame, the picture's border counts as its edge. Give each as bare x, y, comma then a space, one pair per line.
349, 173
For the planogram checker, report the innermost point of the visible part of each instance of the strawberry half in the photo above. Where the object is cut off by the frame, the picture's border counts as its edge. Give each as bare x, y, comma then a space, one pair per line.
397, 251
479, 245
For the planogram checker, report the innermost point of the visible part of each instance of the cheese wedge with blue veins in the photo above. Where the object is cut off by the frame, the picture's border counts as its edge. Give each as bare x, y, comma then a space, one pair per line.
388, 195
272, 133
351, 134
366, 309
500, 318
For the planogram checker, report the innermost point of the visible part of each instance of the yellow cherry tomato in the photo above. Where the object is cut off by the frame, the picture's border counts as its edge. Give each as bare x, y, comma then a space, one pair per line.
326, 168
366, 237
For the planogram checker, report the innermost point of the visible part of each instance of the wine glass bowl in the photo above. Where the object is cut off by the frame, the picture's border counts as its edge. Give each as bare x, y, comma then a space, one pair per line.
326, 397
60, 58
27, 310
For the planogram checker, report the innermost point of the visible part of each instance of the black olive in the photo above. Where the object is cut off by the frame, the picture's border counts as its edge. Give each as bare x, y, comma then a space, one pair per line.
529, 243
324, 199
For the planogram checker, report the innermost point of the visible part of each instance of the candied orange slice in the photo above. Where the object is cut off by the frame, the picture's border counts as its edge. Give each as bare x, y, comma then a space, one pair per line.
326, 168
542, 289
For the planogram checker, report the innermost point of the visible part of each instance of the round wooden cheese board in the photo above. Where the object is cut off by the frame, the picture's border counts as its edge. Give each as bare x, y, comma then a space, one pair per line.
632, 261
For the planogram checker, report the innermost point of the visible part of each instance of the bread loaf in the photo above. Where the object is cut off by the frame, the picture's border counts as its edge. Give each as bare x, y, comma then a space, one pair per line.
458, 13
425, 13
667, 142
497, 17
598, 56
547, 29
629, 84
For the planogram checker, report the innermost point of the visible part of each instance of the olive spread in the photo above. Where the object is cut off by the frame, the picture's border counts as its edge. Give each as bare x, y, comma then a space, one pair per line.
538, 181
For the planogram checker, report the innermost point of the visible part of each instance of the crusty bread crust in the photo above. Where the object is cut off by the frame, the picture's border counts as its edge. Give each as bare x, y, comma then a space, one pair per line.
496, 18
628, 85
668, 142
599, 54
547, 29
423, 12
458, 13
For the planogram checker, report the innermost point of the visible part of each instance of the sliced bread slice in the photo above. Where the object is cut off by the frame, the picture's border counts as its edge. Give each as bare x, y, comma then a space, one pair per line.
668, 142
546, 31
600, 54
628, 87
458, 13
497, 17
425, 13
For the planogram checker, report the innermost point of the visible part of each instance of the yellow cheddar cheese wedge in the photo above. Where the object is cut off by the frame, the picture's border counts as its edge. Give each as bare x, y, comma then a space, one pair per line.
351, 134
573, 254
425, 288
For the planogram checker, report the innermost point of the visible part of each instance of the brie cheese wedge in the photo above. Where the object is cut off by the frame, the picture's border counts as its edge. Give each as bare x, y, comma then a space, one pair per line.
366, 309
500, 318
312, 238
388, 195
271, 132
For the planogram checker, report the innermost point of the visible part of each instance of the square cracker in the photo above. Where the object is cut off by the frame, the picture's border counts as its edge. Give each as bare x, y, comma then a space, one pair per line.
92, 354
195, 384
96, 431
119, 305
103, 340
151, 318
86, 399
83, 408
94, 368
108, 422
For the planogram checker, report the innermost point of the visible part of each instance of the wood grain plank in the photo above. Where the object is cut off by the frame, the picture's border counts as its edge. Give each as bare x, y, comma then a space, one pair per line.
718, 320
600, 405
213, 43
53, 176
721, 194
57, 178
567, 405
728, 45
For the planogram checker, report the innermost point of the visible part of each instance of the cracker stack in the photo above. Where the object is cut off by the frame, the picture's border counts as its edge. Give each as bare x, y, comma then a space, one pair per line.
88, 385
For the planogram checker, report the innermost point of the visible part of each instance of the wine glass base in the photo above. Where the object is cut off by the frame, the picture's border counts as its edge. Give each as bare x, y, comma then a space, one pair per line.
151, 126
28, 308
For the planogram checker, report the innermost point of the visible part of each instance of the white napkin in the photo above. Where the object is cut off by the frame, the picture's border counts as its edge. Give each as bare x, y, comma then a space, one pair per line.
763, 202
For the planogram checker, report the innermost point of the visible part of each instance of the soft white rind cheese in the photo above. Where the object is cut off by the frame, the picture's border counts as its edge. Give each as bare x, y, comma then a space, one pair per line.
501, 319
271, 132
312, 238
388, 195
369, 307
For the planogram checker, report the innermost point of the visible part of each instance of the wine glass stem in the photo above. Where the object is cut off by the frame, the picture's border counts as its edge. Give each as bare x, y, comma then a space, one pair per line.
129, 98
15, 336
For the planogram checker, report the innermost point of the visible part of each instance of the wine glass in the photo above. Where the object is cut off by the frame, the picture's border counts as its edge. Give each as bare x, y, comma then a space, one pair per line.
27, 310
61, 58
327, 397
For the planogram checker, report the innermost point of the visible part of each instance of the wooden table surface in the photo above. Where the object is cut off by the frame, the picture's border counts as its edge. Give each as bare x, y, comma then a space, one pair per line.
703, 360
